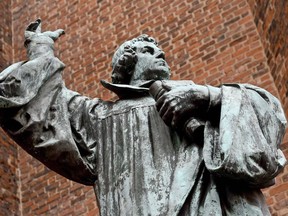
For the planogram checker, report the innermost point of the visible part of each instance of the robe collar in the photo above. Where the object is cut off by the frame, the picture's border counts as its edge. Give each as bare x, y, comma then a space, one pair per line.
124, 91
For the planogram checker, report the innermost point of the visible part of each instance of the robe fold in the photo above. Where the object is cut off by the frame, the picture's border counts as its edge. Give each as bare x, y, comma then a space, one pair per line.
136, 164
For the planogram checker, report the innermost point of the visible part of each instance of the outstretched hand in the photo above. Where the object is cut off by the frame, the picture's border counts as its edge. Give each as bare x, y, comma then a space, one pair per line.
178, 104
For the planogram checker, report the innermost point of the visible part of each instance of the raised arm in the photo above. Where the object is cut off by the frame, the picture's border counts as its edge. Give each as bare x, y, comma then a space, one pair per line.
40, 114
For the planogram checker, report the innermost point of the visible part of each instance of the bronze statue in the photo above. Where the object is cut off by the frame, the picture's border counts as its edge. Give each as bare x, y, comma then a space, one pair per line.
200, 150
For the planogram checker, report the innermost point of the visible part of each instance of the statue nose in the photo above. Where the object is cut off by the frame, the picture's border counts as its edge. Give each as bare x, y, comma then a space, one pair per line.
160, 55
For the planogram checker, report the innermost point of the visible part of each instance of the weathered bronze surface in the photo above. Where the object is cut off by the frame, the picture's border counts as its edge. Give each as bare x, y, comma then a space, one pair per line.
199, 150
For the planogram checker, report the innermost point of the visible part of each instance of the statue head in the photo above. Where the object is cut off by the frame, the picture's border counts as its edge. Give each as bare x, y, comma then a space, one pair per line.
138, 60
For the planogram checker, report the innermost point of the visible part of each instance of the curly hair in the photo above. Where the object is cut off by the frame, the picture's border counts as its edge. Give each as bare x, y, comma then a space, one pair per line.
125, 59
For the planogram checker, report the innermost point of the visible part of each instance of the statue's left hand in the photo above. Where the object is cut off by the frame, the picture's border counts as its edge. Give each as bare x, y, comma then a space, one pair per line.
181, 103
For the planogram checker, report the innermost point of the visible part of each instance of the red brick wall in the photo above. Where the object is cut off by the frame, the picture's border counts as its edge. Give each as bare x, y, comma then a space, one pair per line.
9, 199
271, 19
213, 41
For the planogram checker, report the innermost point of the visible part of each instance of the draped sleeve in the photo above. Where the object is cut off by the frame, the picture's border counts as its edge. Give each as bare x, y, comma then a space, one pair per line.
39, 113
244, 144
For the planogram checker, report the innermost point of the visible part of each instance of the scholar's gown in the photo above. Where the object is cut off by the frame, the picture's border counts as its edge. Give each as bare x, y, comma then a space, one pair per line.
138, 165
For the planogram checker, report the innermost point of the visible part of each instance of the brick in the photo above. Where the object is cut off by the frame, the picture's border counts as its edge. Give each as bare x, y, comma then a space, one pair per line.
209, 55
270, 201
278, 189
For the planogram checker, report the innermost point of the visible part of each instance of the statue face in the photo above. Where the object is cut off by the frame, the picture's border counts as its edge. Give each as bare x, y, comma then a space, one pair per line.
151, 64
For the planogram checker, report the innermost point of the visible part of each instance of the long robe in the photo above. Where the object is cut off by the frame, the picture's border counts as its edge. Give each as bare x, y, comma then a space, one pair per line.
137, 164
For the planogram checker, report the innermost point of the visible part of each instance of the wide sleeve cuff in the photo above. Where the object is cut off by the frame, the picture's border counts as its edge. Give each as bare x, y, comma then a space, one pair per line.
244, 145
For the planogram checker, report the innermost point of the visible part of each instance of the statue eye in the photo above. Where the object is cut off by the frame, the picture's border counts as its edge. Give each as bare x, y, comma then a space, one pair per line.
147, 49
